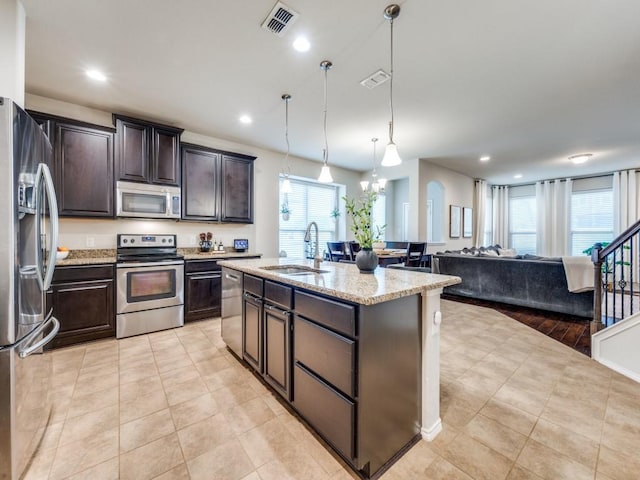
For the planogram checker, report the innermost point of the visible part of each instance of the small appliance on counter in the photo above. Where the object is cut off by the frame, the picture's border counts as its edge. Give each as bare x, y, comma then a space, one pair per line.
240, 244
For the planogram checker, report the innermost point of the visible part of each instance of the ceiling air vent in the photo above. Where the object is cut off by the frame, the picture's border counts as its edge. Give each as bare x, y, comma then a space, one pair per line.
280, 19
375, 79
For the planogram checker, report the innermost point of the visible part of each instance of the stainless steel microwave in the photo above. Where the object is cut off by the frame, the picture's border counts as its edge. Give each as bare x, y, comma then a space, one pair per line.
147, 201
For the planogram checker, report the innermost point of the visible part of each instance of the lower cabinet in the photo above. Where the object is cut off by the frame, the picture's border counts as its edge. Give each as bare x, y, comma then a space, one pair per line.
83, 301
266, 344
203, 289
352, 372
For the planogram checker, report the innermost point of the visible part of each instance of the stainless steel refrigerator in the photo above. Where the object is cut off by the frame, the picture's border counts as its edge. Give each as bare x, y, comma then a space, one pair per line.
28, 243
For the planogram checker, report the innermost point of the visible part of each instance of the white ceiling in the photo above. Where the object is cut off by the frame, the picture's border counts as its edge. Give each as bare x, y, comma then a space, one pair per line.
526, 82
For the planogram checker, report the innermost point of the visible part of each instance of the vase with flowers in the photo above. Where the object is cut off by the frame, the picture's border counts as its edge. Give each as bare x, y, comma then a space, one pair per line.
360, 212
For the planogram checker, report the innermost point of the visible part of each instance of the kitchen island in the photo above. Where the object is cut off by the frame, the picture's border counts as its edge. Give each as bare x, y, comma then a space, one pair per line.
357, 356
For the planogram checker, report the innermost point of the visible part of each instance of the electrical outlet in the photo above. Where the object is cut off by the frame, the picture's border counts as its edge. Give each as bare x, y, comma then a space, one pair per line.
91, 242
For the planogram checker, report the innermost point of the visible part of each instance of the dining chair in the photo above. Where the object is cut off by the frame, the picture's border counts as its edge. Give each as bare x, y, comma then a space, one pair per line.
354, 248
336, 251
415, 251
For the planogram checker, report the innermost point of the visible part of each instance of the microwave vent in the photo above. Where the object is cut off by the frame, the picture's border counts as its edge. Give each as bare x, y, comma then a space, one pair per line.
280, 19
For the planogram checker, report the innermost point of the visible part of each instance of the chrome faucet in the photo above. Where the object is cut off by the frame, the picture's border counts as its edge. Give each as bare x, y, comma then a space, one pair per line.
307, 238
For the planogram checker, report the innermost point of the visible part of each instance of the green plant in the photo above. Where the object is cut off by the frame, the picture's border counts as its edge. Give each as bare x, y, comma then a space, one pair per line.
608, 264
335, 213
360, 212
285, 208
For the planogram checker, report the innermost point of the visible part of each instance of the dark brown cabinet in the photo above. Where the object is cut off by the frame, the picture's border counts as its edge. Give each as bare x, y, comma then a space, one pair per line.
82, 298
147, 152
83, 158
82, 166
203, 289
216, 185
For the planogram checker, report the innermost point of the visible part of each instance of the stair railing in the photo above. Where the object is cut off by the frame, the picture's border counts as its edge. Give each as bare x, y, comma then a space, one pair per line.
616, 276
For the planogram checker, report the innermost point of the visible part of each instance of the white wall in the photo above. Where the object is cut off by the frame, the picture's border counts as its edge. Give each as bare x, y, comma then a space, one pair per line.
12, 38
262, 235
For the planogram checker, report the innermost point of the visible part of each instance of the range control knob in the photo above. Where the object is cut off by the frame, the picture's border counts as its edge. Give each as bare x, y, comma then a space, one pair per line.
124, 240
133, 240
164, 240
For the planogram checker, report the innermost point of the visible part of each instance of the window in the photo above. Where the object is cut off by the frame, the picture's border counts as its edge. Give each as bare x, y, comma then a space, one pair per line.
378, 215
522, 224
308, 201
591, 219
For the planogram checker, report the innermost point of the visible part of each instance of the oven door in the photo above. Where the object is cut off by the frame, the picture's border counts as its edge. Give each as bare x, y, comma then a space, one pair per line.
145, 286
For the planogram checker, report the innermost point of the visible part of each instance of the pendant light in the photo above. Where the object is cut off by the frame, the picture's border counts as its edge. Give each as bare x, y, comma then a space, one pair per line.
286, 183
376, 185
325, 173
391, 157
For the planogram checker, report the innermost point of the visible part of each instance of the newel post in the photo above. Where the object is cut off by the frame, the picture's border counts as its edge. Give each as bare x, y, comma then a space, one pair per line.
596, 323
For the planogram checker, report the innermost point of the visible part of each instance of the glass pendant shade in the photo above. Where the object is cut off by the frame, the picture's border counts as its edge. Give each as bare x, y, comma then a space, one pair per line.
325, 175
286, 185
391, 157
364, 184
383, 183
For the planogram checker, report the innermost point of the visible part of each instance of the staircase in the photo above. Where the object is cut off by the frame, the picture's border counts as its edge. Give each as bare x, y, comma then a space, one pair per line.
615, 328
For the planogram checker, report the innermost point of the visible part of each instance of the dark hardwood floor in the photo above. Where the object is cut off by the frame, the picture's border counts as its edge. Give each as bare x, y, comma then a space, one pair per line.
571, 330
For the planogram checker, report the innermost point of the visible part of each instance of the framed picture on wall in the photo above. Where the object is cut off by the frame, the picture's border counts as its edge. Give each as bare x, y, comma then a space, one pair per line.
467, 222
454, 221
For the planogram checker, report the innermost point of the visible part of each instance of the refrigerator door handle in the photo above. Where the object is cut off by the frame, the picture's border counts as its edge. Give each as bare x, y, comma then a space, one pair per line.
31, 348
44, 174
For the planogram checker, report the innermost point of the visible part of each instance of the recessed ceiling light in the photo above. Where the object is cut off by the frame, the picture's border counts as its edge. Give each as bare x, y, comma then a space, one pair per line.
517, 175
301, 44
96, 75
246, 119
485, 158
580, 158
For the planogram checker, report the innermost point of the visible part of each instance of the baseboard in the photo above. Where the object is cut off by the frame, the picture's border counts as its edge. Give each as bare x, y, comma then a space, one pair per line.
429, 434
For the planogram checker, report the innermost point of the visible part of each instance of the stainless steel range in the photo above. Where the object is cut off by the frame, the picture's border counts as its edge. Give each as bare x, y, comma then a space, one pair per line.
150, 282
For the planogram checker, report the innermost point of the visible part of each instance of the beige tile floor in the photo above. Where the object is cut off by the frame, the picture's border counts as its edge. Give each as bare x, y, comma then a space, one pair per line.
177, 405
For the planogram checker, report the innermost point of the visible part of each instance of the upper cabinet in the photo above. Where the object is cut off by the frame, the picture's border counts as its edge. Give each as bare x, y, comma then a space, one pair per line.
147, 152
216, 185
82, 166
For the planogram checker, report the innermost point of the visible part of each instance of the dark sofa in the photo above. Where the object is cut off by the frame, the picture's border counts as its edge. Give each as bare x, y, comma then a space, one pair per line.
530, 282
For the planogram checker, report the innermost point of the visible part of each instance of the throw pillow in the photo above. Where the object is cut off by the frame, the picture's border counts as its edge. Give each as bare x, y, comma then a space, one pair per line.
507, 252
490, 253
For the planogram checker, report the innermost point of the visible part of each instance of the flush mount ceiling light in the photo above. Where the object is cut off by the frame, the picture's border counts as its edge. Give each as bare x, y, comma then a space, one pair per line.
325, 173
96, 75
246, 119
286, 183
580, 158
517, 175
376, 185
301, 44
485, 158
391, 157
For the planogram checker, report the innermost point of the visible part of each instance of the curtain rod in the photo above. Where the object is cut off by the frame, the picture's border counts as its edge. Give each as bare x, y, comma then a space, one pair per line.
576, 177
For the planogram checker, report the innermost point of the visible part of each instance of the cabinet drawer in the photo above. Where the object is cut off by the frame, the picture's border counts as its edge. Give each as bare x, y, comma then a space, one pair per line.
193, 266
335, 315
83, 272
278, 294
253, 285
327, 354
331, 414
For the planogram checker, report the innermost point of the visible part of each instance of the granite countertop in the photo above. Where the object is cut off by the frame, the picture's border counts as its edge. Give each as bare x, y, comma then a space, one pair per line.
100, 256
92, 256
344, 281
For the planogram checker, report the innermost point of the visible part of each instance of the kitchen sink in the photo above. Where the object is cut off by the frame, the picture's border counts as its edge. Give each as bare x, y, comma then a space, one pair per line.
293, 269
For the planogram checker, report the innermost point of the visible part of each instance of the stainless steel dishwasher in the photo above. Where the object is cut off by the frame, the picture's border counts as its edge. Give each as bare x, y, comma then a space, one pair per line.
232, 310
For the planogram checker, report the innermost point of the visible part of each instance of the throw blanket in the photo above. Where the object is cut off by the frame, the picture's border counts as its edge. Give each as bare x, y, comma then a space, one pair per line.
579, 272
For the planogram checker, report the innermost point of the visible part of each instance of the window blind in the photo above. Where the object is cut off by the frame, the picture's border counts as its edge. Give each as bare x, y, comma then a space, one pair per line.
378, 215
308, 201
591, 219
522, 224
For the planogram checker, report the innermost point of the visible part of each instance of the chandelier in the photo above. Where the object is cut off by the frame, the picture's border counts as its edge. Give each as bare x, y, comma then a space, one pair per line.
377, 185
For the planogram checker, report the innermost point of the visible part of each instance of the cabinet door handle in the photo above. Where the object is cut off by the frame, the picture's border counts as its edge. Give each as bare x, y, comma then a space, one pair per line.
284, 313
